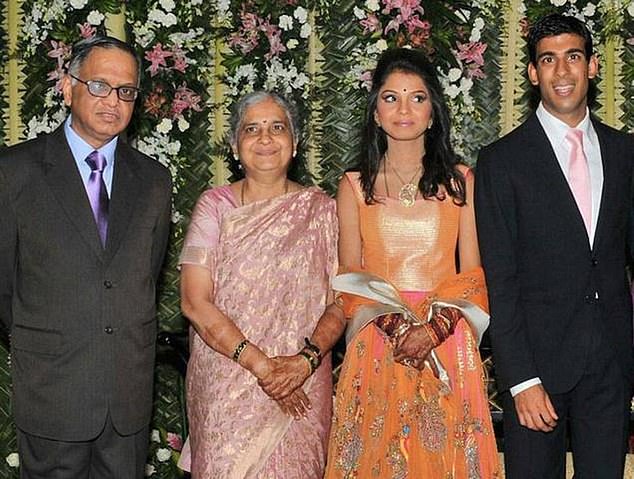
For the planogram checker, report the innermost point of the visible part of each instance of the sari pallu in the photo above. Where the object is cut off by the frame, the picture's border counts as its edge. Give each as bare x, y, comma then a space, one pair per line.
272, 267
393, 421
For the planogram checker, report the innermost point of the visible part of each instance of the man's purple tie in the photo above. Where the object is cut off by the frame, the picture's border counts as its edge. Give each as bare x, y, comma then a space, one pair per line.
97, 193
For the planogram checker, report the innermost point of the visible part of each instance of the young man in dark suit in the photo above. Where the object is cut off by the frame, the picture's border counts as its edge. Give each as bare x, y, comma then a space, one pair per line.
84, 222
553, 209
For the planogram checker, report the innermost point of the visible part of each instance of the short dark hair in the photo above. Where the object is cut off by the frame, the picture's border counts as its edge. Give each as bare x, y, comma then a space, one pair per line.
557, 24
82, 49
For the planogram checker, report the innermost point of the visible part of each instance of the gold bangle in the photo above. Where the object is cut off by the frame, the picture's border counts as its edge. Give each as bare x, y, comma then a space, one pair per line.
239, 349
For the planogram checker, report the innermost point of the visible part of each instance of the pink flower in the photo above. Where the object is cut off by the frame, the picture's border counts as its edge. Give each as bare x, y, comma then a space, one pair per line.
274, 36
86, 30
157, 57
370, 24
175, 441
472, 52
366, 79
184, 99
60, 51
180, 60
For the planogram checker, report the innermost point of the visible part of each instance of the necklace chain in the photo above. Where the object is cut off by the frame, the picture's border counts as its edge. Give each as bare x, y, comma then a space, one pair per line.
408, 192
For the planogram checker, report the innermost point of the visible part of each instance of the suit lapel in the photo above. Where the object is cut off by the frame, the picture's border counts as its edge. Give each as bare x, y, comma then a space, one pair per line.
64, 180
546, 162
122, 199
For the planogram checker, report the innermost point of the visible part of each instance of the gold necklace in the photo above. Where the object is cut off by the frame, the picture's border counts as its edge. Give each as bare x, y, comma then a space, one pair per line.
408, 192
244, 182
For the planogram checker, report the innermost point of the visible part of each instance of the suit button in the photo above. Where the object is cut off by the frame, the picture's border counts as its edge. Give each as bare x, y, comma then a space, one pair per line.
107, 284
595, 262
108, 330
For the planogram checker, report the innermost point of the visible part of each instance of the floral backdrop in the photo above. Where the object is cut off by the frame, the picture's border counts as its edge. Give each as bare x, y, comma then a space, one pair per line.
199, 56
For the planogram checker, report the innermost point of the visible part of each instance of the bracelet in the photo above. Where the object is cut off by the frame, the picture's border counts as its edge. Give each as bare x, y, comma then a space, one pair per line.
238, 350
308, 362
312, 361
313, 347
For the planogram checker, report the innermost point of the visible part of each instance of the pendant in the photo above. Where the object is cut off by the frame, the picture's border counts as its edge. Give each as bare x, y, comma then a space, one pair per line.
407, 194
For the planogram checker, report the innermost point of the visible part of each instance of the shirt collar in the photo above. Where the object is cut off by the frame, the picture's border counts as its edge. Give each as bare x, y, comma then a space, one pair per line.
558, 128
81, 149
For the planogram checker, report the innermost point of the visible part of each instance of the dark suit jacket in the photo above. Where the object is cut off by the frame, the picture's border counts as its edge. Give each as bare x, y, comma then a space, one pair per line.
541, 274
82, 319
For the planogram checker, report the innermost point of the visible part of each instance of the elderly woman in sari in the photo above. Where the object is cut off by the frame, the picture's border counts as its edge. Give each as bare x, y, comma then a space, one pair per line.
256, 268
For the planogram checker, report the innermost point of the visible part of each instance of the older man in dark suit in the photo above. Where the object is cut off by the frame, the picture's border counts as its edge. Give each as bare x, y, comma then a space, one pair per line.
553, 208
84, 222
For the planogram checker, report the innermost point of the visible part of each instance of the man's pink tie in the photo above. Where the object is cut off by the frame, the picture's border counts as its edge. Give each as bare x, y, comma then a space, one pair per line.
579, 176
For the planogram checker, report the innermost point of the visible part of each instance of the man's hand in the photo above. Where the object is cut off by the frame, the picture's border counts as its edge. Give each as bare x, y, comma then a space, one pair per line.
534, 409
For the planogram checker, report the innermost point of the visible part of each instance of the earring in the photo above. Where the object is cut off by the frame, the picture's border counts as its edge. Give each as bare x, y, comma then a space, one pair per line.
429, 125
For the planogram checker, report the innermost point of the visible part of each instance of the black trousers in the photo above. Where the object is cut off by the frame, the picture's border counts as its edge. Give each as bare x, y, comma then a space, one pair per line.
595, 413
108, 456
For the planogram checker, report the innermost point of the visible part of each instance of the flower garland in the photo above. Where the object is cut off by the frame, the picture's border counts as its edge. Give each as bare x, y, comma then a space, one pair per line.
171, 38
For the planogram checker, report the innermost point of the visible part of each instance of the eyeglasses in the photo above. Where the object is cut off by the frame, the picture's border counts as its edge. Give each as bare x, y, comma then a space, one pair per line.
101, 89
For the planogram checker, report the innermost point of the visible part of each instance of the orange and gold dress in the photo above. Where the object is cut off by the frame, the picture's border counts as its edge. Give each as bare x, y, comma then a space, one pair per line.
392, 421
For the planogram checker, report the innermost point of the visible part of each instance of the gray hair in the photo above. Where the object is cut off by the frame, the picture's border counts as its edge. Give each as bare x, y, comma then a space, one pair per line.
82, 49
240, 108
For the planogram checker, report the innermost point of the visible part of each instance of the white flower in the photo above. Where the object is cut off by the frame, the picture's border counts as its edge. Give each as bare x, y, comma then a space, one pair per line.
372, 5
183, 124
452, 91
149, 470
475, 35
168, 5
13, 460
286, 22
163, 454
78, 4
558, 3
301, 14
170, 19
590, 9
292, 44
196, 2
630, 9
466, 84
454, 74
173, 148
359, 13
177, 217
165, 126
155, 436
158, 16
95, 17
381, 45
305, 30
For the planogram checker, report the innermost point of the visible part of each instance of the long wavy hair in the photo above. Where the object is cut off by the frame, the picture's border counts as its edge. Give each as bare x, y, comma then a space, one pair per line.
439, 161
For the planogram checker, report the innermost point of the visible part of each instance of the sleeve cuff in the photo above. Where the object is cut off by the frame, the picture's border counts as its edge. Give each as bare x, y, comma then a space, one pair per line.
523, 386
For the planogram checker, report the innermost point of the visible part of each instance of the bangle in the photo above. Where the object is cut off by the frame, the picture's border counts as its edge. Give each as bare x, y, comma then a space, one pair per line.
313, 347
308, 362
238, 350
312, 361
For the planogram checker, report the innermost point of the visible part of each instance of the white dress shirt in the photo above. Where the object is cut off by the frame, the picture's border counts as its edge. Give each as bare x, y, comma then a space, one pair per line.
556, 132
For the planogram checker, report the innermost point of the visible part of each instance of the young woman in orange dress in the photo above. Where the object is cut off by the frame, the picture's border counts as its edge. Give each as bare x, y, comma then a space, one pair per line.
411, 399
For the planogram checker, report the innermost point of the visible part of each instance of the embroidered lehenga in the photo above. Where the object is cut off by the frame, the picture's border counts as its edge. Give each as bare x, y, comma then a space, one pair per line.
271, 264
390, 420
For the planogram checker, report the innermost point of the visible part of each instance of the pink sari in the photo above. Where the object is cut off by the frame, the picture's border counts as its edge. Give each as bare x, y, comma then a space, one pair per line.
271, 263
